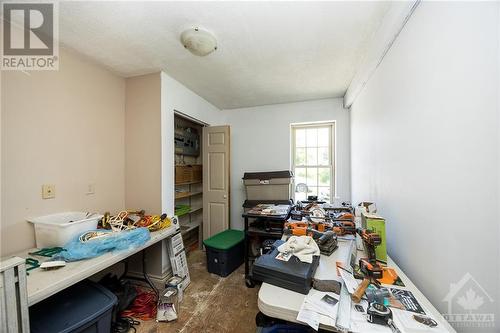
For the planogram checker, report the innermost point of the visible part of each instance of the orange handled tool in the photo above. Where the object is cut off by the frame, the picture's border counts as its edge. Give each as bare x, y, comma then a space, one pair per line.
360, 291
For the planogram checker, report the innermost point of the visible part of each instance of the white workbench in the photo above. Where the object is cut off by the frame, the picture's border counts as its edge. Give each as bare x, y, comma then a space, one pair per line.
280, 303
42, 284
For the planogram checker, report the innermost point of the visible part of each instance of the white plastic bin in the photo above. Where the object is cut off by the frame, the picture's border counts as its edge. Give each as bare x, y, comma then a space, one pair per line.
57, 229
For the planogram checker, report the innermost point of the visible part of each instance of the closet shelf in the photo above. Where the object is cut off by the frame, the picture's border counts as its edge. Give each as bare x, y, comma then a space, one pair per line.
181, 195
189, 183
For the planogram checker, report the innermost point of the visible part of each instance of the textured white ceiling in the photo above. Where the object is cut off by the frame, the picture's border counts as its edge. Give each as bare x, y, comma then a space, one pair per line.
269, 52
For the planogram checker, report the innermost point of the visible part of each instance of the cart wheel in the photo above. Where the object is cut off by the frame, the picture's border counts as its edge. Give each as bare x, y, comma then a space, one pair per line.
249, 282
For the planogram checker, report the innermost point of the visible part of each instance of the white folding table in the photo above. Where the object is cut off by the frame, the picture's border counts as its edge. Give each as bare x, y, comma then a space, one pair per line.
280, 303
42, 284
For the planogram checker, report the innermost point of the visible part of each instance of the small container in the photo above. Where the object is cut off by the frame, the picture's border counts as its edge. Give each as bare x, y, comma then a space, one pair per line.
168, 305
58, 229
83, 307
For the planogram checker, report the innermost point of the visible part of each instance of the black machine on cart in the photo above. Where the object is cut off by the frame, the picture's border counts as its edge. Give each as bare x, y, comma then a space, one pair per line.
265, 227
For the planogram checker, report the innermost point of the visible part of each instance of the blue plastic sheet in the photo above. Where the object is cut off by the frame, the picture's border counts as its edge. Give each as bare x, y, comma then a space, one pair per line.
113, 241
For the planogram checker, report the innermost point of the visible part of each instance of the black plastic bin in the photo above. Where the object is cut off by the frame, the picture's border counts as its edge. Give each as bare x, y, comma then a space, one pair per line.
225, 252
85, 307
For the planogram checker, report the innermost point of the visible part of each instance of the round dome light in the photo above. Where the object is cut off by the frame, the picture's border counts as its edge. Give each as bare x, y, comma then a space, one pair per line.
199, 42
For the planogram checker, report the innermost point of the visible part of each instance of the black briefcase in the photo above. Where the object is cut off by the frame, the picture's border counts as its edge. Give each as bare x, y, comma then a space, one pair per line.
292, 274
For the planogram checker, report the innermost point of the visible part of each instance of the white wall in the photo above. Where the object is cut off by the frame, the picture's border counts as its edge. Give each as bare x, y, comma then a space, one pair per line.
425, 147
65, 128
176, 97
260, 141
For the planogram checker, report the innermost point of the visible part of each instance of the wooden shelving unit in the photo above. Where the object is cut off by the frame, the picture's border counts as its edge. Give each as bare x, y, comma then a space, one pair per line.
189, 188
190, 193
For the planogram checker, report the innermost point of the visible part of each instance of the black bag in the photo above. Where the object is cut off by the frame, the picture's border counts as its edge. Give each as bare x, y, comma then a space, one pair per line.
122, 288
293, 274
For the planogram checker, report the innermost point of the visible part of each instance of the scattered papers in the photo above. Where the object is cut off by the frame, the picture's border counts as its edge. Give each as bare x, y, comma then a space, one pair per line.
359, 324
310, 317
319, 307
407, 300
270, 210
405, 322
350, 282
329, 300
284, 256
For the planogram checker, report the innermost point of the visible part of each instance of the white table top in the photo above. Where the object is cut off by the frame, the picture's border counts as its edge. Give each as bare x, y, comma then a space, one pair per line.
42, 284
277, 302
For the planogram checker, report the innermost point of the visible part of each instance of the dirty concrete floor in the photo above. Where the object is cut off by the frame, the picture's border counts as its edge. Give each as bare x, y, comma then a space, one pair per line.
211, 303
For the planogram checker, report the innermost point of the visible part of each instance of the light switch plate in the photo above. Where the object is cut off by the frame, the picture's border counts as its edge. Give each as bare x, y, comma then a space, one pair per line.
90, 189
48, 191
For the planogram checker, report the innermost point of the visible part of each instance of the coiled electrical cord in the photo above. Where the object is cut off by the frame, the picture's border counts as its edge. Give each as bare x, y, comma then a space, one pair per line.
124, 325
143, 307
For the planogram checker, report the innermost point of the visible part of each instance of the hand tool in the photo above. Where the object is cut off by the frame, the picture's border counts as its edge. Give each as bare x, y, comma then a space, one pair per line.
296, 215
344, 216
377, 295
327, 285
389, 276
47, 252
371, 269
32, 264
47, 265
425, 320
344, 227
371, 240
380, 314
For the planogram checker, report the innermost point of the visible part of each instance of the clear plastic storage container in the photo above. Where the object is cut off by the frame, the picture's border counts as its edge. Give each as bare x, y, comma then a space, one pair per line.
57, 229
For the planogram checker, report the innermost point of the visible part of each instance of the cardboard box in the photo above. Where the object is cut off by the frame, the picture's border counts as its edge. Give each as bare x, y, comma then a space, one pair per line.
365, 207
376, 224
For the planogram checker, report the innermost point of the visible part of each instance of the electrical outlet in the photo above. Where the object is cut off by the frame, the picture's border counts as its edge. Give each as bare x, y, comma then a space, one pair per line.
90, 189
48, 191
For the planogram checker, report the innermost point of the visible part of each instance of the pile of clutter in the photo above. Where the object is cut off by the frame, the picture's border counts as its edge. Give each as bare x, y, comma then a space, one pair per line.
322, 224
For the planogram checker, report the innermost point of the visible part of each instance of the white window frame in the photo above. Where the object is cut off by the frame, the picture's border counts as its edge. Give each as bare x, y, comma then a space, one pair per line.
332, 153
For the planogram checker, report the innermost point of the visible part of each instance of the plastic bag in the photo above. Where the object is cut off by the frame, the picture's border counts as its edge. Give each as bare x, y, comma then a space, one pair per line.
106, 241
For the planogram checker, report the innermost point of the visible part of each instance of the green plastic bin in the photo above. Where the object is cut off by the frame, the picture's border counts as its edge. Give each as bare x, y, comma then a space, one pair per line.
225, 252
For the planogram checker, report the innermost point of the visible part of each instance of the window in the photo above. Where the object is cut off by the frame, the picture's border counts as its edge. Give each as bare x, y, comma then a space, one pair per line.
313, 160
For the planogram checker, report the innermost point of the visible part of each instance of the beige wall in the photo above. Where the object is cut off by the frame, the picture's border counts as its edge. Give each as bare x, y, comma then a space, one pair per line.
65, 128
143, 143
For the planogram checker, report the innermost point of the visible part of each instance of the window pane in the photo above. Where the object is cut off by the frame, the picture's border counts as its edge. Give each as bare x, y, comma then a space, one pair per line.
300, 156
313, 190
312, 137
323, 158
324, 193
324, 176
300, 138
300, 196
312, 156
323, 137
300, 176
312, 177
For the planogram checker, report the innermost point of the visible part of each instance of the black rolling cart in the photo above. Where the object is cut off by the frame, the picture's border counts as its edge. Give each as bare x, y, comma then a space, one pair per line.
264, 227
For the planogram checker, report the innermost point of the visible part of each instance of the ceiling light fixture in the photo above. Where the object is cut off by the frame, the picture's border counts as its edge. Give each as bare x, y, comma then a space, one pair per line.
199, 42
